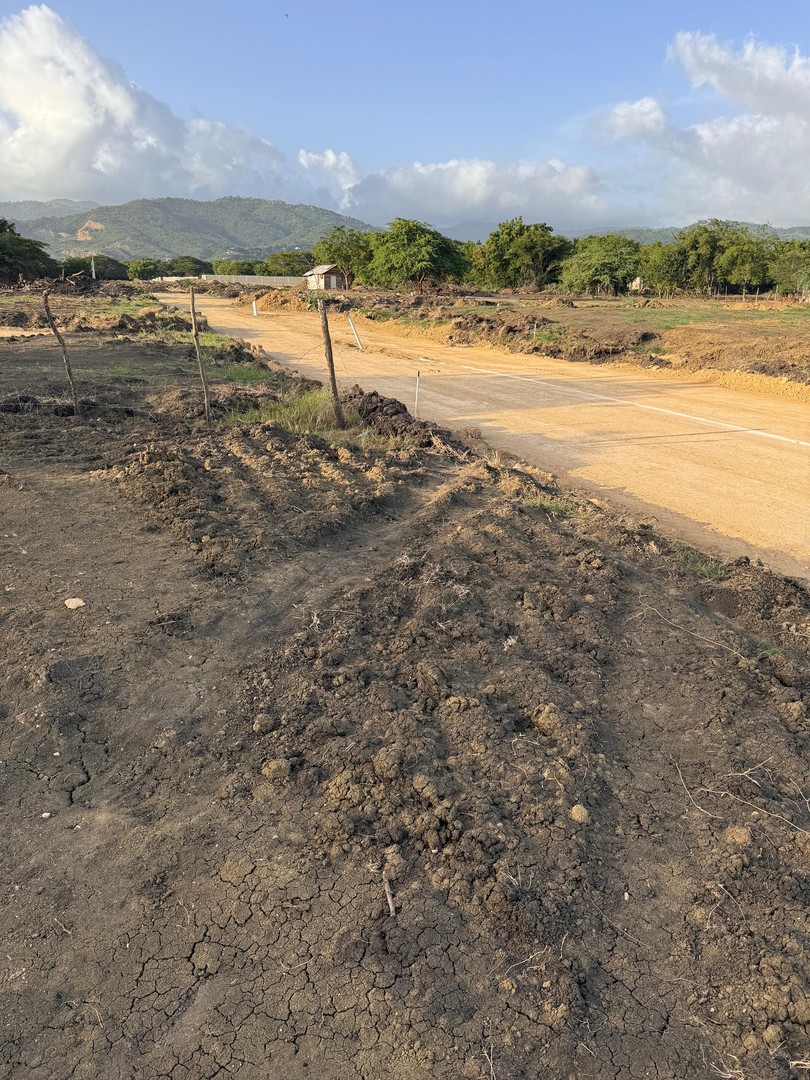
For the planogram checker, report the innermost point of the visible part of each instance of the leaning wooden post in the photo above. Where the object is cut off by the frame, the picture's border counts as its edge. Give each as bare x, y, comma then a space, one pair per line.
330, 363
65, 356
195, 334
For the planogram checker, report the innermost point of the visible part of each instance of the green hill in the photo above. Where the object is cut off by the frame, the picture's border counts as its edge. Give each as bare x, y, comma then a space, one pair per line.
29, 209
666, 234
232, 227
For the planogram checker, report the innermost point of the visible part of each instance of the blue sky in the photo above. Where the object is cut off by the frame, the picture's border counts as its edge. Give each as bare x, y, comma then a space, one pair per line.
631, 112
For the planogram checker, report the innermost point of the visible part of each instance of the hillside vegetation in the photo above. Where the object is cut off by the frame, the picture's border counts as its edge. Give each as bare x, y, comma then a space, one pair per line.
29, 209
163, 228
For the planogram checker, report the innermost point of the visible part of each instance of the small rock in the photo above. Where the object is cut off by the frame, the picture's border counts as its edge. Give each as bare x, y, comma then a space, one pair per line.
74, 603
46, 815
580, 814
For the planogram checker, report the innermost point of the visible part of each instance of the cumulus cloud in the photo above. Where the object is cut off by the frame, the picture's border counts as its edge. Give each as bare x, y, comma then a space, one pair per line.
452, 191
752, 165
335, 168
72, 124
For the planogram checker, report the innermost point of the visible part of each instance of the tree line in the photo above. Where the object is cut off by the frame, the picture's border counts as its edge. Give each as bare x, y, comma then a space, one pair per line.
704, 259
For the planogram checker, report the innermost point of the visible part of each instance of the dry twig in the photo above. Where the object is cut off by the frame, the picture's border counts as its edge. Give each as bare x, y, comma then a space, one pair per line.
389, 896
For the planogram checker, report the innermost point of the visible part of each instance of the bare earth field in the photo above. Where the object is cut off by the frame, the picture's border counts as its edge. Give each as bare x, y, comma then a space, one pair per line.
376, 756
725, 469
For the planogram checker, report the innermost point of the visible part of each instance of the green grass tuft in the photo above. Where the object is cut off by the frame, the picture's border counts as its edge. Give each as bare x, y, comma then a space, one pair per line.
249, 374
312, 413
553, 505
702, 566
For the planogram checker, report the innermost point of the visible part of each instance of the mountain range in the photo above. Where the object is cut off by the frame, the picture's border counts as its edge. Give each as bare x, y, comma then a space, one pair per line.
232, 227
29, 209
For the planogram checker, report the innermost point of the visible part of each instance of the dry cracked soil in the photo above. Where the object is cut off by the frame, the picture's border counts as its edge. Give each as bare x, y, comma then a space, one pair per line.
386, 761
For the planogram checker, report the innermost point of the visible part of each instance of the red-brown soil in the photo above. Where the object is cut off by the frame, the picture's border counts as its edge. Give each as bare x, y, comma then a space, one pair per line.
386, 762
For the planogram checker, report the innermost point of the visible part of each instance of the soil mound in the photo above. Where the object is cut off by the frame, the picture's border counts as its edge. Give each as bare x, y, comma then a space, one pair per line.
276, 300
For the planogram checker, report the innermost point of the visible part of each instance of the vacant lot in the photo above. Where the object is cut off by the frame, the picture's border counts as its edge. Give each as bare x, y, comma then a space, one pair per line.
767, 339
370, 755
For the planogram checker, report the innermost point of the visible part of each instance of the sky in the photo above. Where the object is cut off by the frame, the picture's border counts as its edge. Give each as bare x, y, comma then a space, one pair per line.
585, 116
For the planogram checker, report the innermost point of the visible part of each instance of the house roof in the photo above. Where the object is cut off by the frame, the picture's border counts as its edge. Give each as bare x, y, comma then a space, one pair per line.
316, 270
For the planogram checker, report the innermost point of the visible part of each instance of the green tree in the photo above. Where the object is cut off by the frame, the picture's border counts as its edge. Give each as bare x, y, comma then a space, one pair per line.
348, 249
237, 266
475, 275
516, 254
604, 264
144, 269
744, 259
186, 266
414, 253
288, 263
662, 266
789, 267
20, 256
107, 269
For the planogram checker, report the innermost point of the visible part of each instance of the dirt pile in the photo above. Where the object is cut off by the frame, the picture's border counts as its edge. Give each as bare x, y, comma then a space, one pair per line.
276, 300
384, 763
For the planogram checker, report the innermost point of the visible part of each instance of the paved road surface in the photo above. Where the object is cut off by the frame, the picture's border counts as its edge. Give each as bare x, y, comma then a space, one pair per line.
726, 470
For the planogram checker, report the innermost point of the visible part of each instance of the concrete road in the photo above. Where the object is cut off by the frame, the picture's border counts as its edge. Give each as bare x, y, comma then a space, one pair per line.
728, 471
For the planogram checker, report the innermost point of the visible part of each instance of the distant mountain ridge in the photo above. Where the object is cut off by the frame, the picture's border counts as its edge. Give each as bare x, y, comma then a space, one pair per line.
231, 227
479, 230
29, 209
667, 234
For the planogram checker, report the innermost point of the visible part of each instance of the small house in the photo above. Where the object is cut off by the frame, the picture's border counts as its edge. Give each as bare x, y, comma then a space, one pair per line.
325, 277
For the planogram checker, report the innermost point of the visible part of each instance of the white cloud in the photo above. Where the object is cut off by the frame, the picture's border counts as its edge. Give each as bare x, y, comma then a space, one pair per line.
471, 189
635, 119
753, 165
71, 123
337, 168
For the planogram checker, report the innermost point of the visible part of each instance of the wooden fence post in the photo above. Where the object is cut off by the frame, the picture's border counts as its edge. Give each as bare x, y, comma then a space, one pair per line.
195, 334
63, 347
330, 363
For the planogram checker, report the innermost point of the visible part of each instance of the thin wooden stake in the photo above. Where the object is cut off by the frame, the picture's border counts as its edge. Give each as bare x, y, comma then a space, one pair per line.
330, 363
356, 335
63, 347
196, 335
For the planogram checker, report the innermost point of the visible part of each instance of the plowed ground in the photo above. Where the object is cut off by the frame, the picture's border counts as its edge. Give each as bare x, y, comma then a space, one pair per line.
389, 762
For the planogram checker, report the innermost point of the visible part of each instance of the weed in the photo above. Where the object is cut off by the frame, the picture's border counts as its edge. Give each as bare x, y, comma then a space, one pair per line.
312, 413
704, 567
772, 650
249, 374
554, 506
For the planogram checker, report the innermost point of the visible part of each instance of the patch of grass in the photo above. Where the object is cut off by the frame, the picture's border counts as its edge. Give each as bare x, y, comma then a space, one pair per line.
702, 566
249, 374
553, 505
122, 305
312, 413
123, 370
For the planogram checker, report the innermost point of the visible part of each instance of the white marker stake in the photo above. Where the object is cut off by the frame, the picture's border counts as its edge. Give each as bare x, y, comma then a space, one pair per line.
354, 331
416, 399
255, 309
